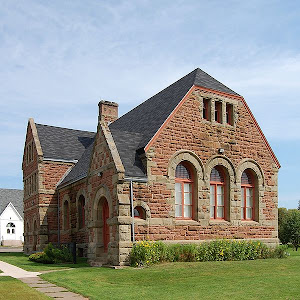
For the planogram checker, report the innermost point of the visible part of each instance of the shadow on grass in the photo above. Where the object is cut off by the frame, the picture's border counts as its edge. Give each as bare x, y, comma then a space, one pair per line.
21, 260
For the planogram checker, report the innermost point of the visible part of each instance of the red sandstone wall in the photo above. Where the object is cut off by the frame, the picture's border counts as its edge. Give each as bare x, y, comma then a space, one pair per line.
187, 130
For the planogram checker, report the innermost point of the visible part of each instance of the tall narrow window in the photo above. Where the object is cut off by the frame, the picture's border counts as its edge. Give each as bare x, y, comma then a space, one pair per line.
81, 211
183, 192
218, 111
217, 194
247, 186
66, 215
206, 109
229, 114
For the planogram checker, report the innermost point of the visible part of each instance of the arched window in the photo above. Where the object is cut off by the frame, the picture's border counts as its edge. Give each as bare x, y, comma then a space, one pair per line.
66, 215
10, 228
139, 212
183, 191
81, 211
247, 186
217, 193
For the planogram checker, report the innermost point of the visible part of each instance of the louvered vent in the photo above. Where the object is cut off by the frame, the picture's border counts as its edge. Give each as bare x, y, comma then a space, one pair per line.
216, 175
246, 177
182, 172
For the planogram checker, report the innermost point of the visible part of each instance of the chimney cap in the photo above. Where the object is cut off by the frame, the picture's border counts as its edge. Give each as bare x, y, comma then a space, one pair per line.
109, 103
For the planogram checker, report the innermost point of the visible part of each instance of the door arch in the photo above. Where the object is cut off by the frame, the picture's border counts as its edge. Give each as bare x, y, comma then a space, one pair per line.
105, 228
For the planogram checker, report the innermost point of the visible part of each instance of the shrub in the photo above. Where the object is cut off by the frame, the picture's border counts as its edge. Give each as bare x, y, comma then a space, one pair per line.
41, 257
52, 255
145, 253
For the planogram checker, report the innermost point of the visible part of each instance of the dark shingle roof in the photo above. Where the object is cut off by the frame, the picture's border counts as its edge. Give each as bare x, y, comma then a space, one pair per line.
80, 170
130, 132
136, 128
63, 143
14, 196
127, 143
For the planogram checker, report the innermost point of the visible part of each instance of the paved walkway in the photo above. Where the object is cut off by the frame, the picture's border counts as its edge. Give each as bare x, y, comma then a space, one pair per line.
34, 281
11, 249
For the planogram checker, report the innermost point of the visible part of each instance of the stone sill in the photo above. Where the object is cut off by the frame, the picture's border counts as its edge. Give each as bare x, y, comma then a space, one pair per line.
249, 223
186, 222
219, 222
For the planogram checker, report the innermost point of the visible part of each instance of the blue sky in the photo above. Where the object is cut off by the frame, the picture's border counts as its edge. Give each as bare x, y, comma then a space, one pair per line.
59, 58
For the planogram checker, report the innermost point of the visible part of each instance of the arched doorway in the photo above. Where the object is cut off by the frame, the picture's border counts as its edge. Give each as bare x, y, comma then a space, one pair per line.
105, 228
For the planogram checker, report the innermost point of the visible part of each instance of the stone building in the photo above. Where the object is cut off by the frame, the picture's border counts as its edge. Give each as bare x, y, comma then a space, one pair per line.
189, 164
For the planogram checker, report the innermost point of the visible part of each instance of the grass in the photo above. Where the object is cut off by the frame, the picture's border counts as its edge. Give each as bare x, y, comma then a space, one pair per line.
21, 260
14, 289
259, 279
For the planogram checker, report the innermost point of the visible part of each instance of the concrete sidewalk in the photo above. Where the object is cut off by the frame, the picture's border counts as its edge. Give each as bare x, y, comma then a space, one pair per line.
11, 249
34, 281
15, 272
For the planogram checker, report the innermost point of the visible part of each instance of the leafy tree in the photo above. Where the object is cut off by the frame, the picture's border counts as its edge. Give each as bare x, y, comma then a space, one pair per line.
291, 228
298, 205
282, 214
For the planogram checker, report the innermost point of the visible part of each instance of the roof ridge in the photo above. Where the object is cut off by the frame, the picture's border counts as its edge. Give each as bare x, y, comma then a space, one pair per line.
157, 94
65, 128
198, 69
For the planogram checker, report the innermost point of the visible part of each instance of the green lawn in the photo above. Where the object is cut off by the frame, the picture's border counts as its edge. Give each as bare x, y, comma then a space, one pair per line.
260, 279
13, 289
21, 260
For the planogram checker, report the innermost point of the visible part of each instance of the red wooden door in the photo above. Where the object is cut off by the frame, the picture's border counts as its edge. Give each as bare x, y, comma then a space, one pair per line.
105, 216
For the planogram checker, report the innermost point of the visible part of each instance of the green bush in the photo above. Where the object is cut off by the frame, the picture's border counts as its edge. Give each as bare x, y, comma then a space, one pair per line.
145, 253
40, 257
52, 255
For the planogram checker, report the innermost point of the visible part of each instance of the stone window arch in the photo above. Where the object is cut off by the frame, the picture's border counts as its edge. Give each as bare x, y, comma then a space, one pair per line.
220, 178
190, 160
256, 182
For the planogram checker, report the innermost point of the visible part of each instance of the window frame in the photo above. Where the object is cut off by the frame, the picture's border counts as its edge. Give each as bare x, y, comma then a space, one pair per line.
66, 215
205, 109
229, 114
81, 212
218, 112
245, 187
183, 181
215, 184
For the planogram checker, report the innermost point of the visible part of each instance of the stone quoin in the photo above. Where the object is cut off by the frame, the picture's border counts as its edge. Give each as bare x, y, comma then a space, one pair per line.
188, 165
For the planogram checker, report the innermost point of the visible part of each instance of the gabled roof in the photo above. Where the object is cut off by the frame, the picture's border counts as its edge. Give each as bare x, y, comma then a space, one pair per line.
131, 132
63, 143
14, 196
80, 170
135, 129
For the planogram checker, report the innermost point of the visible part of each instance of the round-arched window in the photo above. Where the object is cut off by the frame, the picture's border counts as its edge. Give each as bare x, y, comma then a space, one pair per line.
217, 193
247, 201
183, 191
139, 212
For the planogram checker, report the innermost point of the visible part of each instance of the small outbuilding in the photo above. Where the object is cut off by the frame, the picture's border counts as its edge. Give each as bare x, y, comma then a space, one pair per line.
11, 217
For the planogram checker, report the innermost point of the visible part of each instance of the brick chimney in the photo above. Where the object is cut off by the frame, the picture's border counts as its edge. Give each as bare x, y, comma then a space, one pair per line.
108, 111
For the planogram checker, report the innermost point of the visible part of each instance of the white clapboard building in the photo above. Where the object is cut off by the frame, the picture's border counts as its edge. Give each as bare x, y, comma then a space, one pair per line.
11, 217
